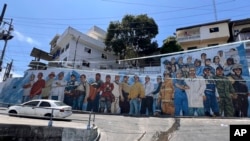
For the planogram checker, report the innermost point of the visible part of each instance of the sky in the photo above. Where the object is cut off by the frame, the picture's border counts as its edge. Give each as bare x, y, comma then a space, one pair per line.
36, 22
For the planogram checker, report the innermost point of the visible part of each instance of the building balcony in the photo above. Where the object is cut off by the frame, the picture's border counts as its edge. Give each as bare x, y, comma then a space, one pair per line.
188, 38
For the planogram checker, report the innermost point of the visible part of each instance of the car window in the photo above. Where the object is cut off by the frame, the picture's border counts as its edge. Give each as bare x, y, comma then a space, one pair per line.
60, 103
32, 103
45, 104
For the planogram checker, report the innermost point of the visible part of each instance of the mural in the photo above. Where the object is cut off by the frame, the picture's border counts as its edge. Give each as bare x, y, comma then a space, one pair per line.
210, 82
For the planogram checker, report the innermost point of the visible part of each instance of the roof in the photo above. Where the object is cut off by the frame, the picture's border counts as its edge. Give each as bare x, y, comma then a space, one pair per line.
205, 24
41, 54
241, 22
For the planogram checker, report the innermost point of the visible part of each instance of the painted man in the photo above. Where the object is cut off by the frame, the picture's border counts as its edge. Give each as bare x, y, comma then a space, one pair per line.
195, 93
240, 103
58, 86
226, 93
106, 97
115, 108
211, 94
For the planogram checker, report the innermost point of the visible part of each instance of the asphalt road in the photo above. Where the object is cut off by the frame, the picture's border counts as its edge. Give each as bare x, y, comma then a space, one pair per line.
124, 128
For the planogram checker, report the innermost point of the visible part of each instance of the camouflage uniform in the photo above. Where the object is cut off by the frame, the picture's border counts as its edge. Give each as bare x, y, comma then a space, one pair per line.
225, 89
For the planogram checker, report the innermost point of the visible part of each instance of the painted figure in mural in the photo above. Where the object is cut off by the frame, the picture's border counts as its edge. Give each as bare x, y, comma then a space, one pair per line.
124, 91
203, 59
189, 62
136, 93
173, 62
156, 104
167, 65
198, 67
166, 95
36, 89
115, 108
58, 86
180, 62
46, 91
195, 93
211, 94
94, 94
106, 97
81, 93
173, 71
185, 71
228, 67
180, 96
240, 103
147, 101
248, 112
70, 90
208, 64
216, 62
222, 57
234, 54
27, 87
226, 93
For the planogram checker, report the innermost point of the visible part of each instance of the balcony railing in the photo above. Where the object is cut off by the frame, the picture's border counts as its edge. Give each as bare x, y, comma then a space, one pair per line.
188, 38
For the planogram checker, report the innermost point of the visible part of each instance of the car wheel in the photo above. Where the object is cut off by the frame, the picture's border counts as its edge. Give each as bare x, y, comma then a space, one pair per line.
12, 112
48, 115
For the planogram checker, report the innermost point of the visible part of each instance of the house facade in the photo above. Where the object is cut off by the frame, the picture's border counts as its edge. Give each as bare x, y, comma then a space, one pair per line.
203, 35
74, 49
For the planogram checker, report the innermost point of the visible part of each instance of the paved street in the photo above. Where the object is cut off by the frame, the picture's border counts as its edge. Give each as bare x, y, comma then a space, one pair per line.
124, 128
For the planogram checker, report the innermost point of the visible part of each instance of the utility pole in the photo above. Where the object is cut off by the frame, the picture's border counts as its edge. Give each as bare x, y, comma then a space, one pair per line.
74, 61
7, 71
5, 34
2, 14
215, 11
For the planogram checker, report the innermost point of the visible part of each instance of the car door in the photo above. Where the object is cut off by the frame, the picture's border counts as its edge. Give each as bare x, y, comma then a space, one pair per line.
29, 108
43, 108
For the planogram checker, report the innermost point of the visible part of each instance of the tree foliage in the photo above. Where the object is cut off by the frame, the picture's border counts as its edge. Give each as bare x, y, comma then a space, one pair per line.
170, 45
132, 36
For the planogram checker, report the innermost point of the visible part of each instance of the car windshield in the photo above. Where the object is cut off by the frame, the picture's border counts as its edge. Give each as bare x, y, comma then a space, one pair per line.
59, 103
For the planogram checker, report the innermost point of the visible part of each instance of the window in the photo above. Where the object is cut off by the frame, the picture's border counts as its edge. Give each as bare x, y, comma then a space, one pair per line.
45, 104
62, 50
88, 50
215, 29
67, 46
32, 103
190, 48
209, 45
104, 56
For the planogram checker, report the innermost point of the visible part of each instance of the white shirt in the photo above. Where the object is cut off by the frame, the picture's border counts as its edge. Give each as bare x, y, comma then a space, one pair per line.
149, 88
116, 91
195, 92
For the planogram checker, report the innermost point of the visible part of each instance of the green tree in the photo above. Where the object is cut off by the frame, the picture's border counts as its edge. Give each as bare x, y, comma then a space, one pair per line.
132, 37
170, 45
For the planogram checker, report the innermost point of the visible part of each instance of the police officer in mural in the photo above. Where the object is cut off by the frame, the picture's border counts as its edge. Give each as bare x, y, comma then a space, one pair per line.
211, 93
226, 93
240, 103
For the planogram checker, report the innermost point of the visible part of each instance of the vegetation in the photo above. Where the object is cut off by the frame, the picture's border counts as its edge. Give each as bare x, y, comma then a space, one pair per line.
132, 37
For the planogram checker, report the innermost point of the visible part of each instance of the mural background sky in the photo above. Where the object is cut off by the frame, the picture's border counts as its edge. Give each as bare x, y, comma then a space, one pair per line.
37, 22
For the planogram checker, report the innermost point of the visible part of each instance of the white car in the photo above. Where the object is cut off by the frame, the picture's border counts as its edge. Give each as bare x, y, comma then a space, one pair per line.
42, 108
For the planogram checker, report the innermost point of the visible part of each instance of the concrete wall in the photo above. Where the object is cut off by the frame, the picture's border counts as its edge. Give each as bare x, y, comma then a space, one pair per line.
13, 132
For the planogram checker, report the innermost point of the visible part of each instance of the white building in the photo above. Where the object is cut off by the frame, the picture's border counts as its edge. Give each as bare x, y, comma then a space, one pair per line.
74, 49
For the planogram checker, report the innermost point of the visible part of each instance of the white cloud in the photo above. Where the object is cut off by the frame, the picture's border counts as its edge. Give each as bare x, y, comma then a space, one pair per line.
21, 37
